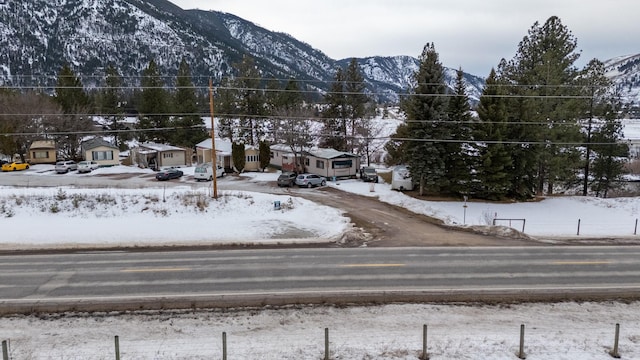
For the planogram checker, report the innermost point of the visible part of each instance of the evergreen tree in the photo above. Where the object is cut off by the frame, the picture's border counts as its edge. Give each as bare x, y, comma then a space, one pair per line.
355, 101
596, 86
396, 147
542, 72
250, 102
610, 153
425, 110
226, 108
190, 128
494, 157
334, 131
238, 156
75, 105
112, 104
265, 154
154, 107
457, 157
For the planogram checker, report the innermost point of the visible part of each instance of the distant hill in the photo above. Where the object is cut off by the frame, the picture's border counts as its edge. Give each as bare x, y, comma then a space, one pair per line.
38, 36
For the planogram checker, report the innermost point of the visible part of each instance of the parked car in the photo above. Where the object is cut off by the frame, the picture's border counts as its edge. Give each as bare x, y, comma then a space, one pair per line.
87, 166
368, 173
205, 172
169, 174
14, 166
287, 179
310, 180
63, 167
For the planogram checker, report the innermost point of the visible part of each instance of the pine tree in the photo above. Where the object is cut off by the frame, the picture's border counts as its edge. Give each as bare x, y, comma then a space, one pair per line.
190, 128
265, 154
76, 106
425, 110
396, 147
334, 129
494, 157
355, 101
542, 72
238, 156
250, 102
112, 101
154, 107
610, 152
457, 157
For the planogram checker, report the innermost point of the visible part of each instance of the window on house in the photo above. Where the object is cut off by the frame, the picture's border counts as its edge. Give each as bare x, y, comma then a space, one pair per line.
306, 161
320, 164
40, 155
272, 155
102, 155
167, 155
342, 164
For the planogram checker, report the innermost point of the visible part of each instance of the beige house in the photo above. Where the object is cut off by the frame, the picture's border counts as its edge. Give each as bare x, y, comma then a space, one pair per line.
100, 151
331, 163
43, 152
159, 156
282, 157
223, 155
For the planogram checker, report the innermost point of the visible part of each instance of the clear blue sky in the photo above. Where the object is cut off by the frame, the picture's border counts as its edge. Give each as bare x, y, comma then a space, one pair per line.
470, 34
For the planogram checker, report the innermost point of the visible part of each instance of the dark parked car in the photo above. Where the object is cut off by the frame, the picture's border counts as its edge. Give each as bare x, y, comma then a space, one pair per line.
169, 174
310, 180
368, 174
287, 179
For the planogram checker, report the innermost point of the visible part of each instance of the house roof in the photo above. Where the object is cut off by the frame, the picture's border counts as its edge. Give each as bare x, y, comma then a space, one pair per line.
223, 146
43, 144
96, 142
329, 153
160, 147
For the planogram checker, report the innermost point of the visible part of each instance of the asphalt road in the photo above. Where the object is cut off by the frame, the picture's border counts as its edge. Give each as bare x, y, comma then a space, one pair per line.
91, 281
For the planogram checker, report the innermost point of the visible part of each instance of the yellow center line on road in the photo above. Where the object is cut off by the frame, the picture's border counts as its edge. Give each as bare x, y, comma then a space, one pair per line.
155, 270
600, 262
372, 265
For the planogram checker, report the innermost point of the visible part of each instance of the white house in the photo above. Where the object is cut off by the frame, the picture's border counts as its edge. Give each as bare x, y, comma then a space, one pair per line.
223, 154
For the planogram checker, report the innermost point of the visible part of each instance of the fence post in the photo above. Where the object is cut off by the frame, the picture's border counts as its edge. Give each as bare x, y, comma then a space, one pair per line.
635, 229
224, 346
326, 343
521, 352
117, 343
614, 351
425, 355
5, 350
578, 233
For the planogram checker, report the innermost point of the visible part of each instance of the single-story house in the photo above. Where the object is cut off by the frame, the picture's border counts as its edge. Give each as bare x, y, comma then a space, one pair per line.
43, 152
331, 163
223, 154
159, 156
100, 151
282, 157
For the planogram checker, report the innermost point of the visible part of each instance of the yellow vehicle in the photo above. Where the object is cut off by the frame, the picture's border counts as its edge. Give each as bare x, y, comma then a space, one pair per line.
14, 166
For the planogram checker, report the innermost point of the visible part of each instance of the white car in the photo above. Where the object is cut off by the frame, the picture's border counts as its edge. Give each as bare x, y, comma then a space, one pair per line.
205, 172
87, 166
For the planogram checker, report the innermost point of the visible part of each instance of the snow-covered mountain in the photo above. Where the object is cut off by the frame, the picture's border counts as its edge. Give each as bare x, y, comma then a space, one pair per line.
624, 71
38, 36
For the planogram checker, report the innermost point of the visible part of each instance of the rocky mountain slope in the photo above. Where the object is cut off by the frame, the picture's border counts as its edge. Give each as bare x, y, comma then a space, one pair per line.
38, 36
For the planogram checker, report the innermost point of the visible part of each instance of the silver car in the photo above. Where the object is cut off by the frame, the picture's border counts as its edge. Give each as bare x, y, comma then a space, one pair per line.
310, 180
87, 166
63, 167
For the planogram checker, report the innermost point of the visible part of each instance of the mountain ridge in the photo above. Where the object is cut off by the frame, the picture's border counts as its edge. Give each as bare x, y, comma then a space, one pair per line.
42, 35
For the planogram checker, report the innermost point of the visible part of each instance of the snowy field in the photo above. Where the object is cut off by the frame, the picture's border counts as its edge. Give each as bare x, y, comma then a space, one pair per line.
65, 215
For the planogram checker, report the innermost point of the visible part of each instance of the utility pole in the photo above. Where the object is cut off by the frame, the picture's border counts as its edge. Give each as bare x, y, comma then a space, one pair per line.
213, 144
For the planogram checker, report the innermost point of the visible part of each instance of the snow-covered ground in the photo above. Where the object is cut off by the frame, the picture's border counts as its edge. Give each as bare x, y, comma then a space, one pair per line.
65, 215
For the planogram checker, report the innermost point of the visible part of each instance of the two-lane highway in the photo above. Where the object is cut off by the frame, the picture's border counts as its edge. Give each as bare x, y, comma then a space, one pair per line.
178, 279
